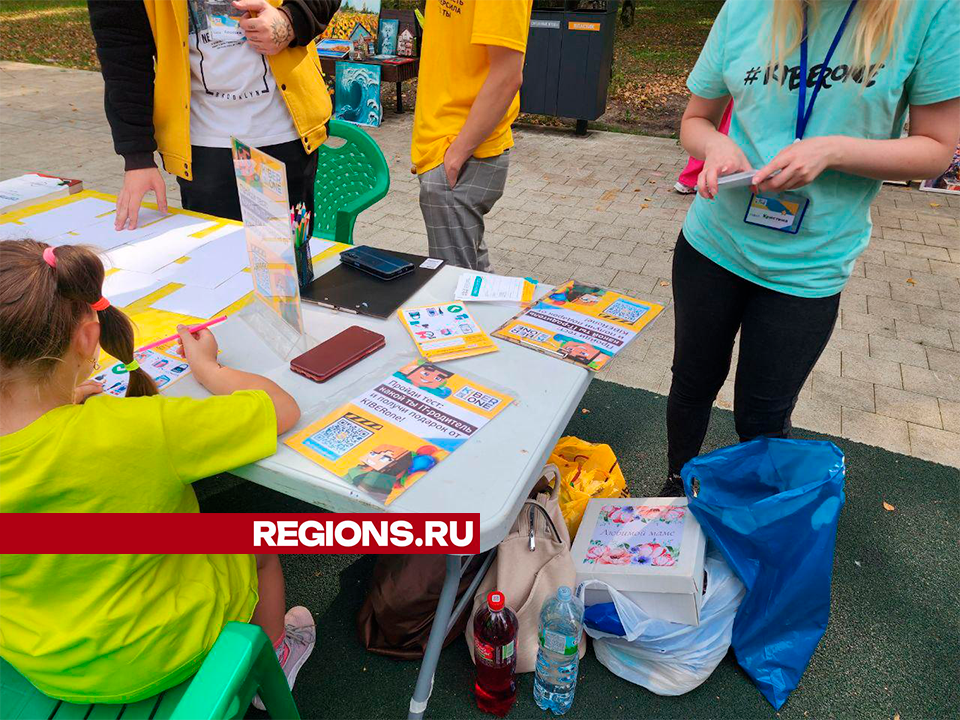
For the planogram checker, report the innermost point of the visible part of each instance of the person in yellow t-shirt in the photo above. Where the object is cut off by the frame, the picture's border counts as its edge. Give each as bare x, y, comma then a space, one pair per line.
471, 68
119, 628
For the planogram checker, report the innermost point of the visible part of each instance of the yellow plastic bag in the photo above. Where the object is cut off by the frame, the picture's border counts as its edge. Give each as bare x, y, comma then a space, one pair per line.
587, 470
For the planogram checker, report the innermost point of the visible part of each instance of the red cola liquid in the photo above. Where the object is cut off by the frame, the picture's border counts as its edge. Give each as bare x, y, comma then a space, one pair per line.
495, 628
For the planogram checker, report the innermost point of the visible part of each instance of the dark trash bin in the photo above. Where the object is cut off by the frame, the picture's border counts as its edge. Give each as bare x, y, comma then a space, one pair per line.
569, 58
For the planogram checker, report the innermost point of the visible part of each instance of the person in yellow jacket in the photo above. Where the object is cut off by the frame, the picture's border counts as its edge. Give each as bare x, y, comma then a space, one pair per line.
184, 76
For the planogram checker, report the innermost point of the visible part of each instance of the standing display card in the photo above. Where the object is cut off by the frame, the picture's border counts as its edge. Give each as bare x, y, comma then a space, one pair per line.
388, 438
264, 205
581, 324
445, 332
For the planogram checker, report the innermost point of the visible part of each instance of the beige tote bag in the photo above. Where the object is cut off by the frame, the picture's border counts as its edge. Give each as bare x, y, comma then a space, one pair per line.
532, 562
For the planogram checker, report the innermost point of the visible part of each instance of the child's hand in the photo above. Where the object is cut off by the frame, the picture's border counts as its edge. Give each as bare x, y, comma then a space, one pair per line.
85, 390
199, 348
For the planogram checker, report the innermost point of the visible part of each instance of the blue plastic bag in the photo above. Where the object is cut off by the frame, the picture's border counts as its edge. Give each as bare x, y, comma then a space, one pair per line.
772, 507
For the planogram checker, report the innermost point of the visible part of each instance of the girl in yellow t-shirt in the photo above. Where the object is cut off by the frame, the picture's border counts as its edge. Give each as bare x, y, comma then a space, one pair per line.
119, 628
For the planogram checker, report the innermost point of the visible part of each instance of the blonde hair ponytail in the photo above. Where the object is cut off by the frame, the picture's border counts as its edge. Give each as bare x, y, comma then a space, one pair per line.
872, 26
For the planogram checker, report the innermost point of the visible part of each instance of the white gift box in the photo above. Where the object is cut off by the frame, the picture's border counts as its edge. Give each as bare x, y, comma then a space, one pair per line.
650, 549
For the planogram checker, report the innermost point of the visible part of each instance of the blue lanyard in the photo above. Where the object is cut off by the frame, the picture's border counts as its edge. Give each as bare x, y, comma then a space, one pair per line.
804, 110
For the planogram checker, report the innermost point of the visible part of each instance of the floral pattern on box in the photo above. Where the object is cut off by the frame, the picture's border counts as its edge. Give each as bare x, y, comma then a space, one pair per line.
637, 535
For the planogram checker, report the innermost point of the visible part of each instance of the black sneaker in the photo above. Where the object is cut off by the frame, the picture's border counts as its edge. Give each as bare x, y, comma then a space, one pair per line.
673, 487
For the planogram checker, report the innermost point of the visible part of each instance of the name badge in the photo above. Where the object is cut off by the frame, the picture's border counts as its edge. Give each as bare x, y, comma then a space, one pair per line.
777, 211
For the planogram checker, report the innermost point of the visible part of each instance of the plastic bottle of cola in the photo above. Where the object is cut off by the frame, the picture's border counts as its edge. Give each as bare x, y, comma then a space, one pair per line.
561, 626
495, 630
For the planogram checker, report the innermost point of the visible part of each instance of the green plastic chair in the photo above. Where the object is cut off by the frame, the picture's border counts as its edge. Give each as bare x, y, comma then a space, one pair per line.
350, 178
241, 663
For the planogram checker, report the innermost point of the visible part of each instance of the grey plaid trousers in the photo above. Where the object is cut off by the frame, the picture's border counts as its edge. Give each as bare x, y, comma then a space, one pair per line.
454, 218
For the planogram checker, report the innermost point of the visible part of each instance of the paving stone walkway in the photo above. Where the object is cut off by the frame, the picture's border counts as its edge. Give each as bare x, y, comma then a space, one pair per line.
601, 210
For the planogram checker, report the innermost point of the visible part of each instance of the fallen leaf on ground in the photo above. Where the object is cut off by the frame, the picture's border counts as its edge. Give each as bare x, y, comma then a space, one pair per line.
636, 189
911, 281
648, 199
934, 204
664, 283
644, 205
584, 411
609, 195
888, 507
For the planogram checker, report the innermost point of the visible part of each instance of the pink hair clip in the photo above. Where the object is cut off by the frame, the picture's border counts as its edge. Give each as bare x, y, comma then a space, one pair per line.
101, 304
50, 257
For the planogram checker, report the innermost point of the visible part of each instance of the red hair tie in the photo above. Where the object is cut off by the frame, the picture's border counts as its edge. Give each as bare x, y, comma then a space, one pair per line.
50, 257
101, 304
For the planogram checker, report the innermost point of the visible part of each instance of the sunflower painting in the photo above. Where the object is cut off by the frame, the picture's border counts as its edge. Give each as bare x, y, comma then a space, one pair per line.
353, 12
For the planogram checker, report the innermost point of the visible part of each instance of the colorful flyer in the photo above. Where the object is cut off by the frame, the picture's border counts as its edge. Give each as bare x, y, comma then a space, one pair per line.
445, 331
388, 438
483, 287
581, 324
164, 364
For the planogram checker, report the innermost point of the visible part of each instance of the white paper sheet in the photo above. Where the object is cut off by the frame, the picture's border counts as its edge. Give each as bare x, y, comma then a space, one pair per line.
152, 253
59, 220
214, 263
127, 286
318, 245
204, 302
486, 287
152, 223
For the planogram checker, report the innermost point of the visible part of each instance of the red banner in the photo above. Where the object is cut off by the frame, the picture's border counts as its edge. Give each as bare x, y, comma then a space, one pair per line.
269, 533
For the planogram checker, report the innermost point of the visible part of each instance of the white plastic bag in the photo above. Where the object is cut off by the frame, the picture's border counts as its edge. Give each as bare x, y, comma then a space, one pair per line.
670, 658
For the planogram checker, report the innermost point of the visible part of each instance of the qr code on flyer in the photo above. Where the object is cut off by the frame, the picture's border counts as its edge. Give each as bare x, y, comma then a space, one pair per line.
338, 438
475, 397
626, 311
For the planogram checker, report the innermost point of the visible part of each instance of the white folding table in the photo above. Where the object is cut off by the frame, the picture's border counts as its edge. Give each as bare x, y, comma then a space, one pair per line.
492, 474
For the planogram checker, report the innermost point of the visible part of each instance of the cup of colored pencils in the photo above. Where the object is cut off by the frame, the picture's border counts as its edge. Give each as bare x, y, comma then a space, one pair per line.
300, 225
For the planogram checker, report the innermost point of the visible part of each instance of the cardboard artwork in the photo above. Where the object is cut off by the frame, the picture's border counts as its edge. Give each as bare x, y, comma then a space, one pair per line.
406, 43
358, 94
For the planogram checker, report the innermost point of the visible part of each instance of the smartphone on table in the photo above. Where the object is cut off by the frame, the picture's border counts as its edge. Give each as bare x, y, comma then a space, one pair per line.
335, 355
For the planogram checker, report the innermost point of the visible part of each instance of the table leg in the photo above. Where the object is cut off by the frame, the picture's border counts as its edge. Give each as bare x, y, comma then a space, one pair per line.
399, 97
448, 595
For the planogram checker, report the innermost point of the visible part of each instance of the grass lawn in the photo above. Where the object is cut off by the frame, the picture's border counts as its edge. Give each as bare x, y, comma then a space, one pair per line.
647, 93
49, 32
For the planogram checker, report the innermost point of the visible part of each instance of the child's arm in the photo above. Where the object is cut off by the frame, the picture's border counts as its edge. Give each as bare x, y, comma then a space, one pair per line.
200, 350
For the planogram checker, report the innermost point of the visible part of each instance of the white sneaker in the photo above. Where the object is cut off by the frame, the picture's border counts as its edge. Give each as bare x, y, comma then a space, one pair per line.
684, 189
299, 639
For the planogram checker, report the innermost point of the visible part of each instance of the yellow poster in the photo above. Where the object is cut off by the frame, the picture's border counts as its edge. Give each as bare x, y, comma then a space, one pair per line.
388, 438
581, 324
445, 331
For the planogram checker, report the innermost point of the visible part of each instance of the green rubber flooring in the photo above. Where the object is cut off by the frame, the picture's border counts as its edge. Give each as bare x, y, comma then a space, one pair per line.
892, 647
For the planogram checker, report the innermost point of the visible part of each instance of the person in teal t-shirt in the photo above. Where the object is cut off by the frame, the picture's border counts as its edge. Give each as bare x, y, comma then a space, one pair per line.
772, 265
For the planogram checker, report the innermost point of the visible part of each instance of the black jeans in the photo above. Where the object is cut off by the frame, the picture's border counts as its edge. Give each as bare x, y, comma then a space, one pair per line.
781, 338
213, 189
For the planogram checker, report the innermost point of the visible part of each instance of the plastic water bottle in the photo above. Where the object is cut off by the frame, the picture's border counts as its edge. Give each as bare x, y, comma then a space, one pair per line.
495, 630
561, 627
